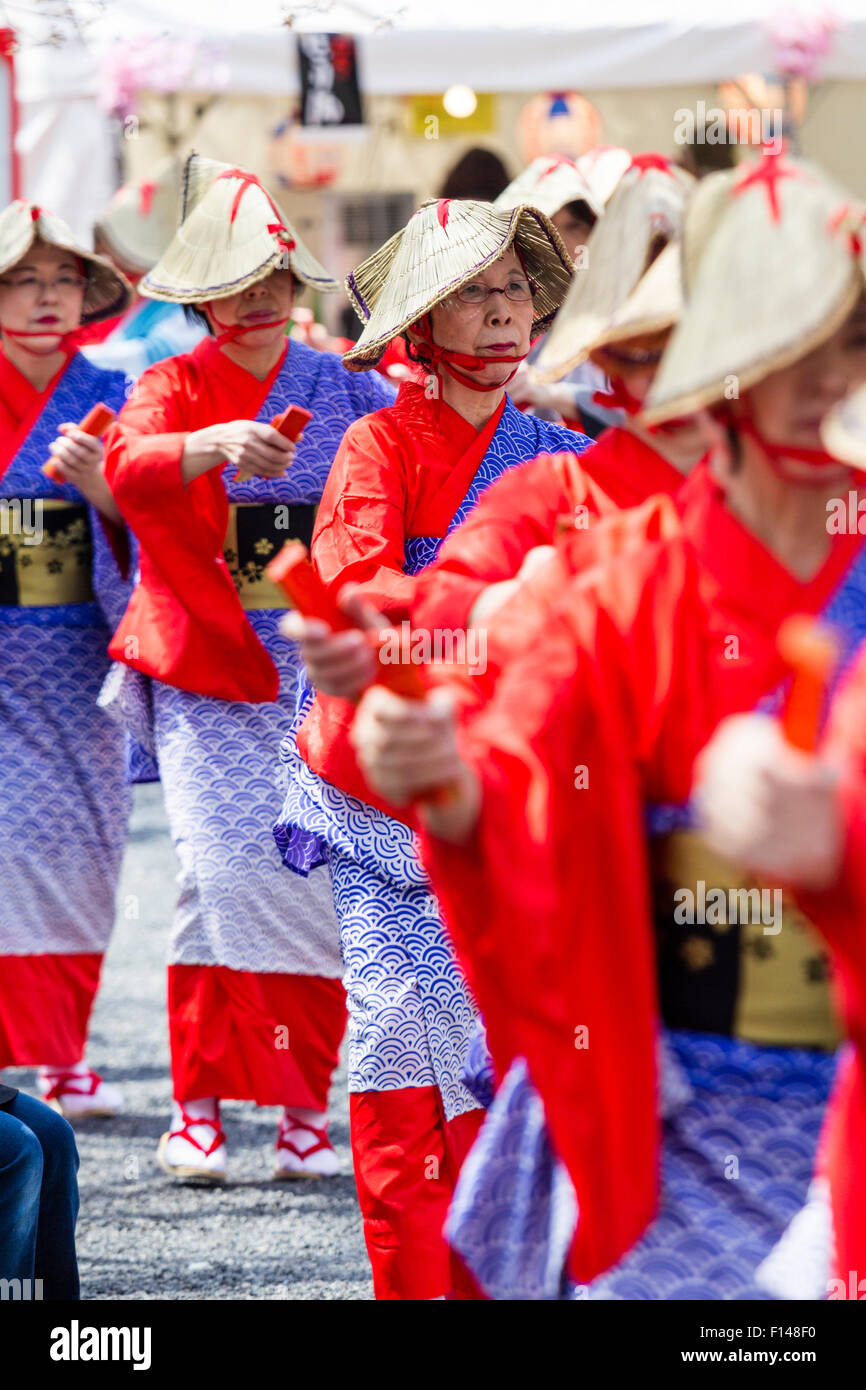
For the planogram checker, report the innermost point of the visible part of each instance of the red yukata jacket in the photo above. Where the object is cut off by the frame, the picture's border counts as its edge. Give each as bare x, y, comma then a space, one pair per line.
521, 511
840, 915
185, 624
549, 905
400, 473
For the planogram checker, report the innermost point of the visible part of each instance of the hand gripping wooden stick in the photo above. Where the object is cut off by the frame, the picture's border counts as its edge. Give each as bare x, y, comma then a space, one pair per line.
811, 648
292, 571
289, 424
95, 423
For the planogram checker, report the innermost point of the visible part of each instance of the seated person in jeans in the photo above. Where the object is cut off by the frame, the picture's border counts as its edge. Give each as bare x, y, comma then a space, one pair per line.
38, 1196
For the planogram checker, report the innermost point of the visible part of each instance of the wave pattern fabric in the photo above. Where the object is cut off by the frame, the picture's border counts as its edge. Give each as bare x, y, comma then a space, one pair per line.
219, 760
740, 1132
64, 801
411, 1018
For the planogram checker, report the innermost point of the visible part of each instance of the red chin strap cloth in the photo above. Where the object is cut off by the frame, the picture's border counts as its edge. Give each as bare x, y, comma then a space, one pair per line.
63, 342
619, 397
819, 460
231, 331
453, 361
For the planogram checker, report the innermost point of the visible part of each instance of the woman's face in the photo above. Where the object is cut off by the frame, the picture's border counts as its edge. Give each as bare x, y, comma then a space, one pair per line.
789, 406
267, 303
635, 361
498, 327
43, 295
574, 223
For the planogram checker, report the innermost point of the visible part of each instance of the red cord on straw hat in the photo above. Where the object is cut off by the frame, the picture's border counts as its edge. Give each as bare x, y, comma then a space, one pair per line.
769, 170
278, 228
643, 162
442, 206
850, 218
282, 234
247, 181
556, 162
145, 197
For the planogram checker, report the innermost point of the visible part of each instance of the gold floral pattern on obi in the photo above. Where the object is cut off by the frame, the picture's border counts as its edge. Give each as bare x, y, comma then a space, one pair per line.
255, 533
46, 553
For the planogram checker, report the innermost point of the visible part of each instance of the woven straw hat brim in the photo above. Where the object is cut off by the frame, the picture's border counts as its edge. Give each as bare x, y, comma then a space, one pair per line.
760, 293
213, 257
844, 430
647, 209
549, 185
654, 305
424, 263
135, 237
108, 292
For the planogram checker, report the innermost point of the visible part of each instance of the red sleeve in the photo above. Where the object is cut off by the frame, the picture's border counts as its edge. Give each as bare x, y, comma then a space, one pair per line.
840, 915
143, 452
514, 515
517, 513
360, 528
184, 623
549, 904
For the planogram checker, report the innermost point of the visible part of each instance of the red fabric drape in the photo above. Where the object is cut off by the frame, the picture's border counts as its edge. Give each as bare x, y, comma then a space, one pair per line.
242, 1035
549, 905
407, 1158
184, 623
45, 1006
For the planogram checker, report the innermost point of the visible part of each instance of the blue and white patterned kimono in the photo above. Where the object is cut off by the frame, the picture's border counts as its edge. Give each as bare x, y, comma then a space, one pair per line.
218, 760
410, 1014
723, 1229
64, 800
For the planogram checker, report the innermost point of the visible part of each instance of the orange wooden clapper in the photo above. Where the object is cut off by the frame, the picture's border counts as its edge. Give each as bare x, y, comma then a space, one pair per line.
812, 649
292, 571
95, 423
290, 424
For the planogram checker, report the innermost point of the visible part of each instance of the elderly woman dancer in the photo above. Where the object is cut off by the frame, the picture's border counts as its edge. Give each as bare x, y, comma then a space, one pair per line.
63, 797
468, 286
211, 489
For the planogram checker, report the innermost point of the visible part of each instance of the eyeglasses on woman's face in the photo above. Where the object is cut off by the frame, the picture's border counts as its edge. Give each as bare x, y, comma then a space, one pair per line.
32, 286
517, 289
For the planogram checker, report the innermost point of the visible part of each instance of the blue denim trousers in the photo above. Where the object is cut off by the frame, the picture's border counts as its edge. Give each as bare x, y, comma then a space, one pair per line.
38, 1202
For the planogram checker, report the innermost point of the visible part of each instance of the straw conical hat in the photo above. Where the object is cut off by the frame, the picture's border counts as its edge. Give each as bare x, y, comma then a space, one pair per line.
108, 292
603, 168
232, 234
443, 245
844, 430
770, 271
607, 300
141, 218
549, 183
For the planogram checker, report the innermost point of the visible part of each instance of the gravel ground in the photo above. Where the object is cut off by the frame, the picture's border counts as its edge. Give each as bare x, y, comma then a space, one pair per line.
142, 1236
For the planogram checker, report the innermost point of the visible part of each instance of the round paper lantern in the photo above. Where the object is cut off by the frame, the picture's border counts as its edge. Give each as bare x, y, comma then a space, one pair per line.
557, 123
300, 161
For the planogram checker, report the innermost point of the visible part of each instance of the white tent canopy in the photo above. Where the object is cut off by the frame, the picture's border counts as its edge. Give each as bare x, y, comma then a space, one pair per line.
489, 44
404, 48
